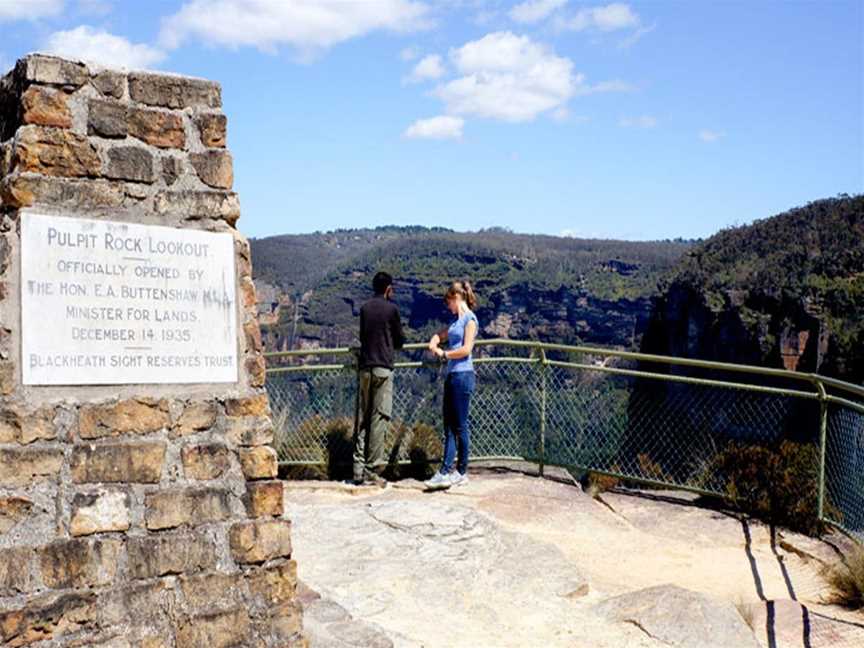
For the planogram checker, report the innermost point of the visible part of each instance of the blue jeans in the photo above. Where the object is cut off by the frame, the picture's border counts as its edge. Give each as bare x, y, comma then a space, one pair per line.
458, 387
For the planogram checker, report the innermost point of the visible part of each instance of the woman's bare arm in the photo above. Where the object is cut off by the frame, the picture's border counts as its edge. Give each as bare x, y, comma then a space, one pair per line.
438, 338
467, 345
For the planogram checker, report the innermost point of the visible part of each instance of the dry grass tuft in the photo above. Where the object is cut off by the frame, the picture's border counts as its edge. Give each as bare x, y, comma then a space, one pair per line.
846, 579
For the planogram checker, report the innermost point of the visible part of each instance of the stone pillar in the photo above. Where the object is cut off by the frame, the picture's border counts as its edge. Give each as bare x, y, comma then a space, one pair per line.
131, 514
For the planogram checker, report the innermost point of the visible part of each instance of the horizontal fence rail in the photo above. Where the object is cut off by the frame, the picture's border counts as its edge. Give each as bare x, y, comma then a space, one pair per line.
713, 428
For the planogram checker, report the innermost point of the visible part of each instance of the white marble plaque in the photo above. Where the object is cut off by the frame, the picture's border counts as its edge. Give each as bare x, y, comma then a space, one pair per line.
105, 302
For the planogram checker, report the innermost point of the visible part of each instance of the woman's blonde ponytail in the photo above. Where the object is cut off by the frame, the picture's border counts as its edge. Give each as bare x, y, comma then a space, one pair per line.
464, 290
470, 297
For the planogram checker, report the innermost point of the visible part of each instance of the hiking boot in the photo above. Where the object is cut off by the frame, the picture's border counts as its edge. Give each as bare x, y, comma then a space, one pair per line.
375, 480
439, 481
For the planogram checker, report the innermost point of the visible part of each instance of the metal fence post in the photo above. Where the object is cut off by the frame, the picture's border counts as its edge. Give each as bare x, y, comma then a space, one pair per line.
823, 439
542, 444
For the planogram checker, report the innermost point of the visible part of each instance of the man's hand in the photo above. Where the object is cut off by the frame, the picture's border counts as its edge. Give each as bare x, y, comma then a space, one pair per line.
433, 344
438, 351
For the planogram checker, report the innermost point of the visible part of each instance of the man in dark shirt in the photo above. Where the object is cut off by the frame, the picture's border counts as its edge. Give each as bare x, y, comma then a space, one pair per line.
380, 334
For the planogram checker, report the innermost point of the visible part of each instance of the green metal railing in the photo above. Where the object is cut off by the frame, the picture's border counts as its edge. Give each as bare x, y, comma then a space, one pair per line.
649, 419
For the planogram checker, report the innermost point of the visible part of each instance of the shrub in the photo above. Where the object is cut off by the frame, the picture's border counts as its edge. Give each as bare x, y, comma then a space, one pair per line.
422, 444
776, 484
847, 580
598, 483
330, 441
651, 469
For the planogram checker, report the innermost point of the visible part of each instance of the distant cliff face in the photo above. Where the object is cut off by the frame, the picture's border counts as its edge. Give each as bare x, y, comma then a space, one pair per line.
784, 292
530, 287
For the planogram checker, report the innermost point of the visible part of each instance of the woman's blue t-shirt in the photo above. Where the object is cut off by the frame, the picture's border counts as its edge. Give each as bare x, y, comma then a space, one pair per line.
455, 338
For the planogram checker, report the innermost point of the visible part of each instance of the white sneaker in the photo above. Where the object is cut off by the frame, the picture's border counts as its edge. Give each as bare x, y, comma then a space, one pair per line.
459, 479
439, 481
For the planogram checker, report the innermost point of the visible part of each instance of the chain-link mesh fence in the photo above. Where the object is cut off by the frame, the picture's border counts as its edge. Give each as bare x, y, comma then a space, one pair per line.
741, 440
844, 469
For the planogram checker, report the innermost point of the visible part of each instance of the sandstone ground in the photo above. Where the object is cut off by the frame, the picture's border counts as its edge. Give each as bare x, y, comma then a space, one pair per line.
513, 560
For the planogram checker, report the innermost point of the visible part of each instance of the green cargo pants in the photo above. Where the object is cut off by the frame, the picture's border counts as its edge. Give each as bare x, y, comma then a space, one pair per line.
372, 421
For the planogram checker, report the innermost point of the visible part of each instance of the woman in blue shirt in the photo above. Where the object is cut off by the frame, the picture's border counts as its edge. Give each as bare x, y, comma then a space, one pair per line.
459, 383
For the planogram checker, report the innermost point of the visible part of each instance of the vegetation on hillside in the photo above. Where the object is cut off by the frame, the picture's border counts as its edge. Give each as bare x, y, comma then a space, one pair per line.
747, 292
327, 275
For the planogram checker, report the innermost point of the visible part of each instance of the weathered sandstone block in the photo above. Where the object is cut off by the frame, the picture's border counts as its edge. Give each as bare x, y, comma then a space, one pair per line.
212, 127
173, 92
26, 190
220, 630
253, 335
260, 540
21, 466
257, 405
46, 618
260, 462
248, 294
256, 368
79, 563
7, 378
136, 416
249, 430
20, 426
207, 461
203, 592
156, 127
132, 163
12, 510
172, 508
55, 152
99, 512
118, 462
45, 107
215, 168
137, 604
199, 205
286, 620
110, 83
172, 168
16, 575
265, 498
270, 586
195, 418
170, 553
54, 71
107, 119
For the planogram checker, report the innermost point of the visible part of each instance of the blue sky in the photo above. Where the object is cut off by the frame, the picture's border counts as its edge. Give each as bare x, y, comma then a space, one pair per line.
635, 120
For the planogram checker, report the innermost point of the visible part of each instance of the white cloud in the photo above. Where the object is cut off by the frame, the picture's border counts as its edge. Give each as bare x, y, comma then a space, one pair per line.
308, 25
98, 46
643, 121
429, 67
710, 135
608, 18
508, 77
29, 9
441, 127
533, 11
409, 53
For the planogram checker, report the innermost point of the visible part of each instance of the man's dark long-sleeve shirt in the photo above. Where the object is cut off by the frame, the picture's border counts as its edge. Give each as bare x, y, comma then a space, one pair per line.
380, 333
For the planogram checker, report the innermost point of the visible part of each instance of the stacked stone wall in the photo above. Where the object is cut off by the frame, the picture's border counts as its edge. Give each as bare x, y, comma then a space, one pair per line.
133, 515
